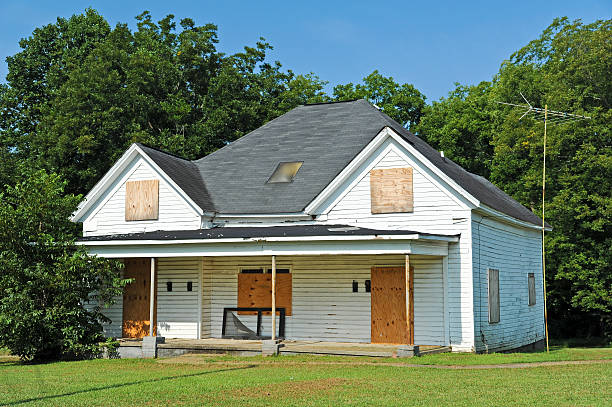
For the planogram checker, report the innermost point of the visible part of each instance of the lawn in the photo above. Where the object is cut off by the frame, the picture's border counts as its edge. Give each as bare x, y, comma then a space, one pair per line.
314, 380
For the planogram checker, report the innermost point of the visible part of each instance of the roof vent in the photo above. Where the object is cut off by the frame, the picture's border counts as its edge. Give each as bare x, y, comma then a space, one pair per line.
442, 154
285, 172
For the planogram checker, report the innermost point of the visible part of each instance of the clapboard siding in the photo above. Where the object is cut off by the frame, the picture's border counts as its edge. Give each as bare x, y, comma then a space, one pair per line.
177, 311
324, 306
108, 216
515, 252
437, 209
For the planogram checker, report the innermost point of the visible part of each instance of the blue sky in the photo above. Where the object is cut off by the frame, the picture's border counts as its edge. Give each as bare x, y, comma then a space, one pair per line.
429, 44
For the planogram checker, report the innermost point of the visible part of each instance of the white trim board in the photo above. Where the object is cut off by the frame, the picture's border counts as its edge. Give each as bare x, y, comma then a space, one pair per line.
262, 248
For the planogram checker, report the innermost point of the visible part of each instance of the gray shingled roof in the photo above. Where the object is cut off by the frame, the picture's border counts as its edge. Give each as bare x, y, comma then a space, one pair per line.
184, 173
326, 137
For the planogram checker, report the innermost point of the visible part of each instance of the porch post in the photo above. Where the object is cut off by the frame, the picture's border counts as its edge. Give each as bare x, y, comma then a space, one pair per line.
273, 297
152, 298
407, 280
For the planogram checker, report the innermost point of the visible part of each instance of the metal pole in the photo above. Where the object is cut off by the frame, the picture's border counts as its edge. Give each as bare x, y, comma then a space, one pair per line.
273, 297
152, 298
543, 227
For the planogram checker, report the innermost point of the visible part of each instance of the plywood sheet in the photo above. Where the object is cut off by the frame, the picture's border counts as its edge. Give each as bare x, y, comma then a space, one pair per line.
388, 302
136, 298
255, 290
142, 200
391, 190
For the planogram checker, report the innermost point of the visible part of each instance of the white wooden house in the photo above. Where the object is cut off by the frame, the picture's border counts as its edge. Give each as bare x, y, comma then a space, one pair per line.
375, 236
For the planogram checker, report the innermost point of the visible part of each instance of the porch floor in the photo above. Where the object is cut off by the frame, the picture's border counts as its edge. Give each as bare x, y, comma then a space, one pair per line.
239, 346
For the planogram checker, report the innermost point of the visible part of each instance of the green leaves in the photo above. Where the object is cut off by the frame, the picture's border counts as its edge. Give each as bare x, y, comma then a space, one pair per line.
567, 68
402, 102
45, 280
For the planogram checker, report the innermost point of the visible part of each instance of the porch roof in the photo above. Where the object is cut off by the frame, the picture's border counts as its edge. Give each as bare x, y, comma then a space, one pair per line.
293, 232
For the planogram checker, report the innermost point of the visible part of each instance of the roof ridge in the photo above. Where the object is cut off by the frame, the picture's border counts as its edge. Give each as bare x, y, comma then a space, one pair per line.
163, 152
331, 102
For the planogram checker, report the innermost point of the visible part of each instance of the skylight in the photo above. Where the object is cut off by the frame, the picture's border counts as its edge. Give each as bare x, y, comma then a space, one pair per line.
285, 172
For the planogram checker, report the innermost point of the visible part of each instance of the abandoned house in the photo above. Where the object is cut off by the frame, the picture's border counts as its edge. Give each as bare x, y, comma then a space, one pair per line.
366, 233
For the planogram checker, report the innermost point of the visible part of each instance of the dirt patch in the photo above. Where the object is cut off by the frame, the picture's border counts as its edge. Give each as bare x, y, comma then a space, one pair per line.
289, 390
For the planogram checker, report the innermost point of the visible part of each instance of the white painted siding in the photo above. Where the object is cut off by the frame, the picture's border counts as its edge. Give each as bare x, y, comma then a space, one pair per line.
177, 311
324, 306
515, 252
108, 216
437, 209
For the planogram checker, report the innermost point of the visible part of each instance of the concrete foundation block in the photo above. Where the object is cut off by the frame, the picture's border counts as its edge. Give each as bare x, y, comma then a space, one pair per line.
408, 351
149, 346
270, 347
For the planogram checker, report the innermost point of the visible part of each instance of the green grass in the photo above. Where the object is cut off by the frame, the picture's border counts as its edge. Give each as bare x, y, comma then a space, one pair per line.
311, 380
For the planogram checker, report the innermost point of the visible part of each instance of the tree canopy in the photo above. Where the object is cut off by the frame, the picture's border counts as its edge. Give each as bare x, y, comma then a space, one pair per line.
568, 69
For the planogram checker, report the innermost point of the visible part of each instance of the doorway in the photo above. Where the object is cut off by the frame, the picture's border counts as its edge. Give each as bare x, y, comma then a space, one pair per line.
136, 298
390, 324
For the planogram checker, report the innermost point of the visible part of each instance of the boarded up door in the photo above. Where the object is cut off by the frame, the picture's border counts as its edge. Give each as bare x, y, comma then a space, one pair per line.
136, 298
389, 322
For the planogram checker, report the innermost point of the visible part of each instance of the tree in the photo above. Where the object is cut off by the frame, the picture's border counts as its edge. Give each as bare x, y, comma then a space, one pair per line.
168, 88
51, 290
402, 102
568, 69
462, 126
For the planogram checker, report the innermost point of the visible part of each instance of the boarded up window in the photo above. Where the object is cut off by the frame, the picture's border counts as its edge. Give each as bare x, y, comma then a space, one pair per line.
255, 291
532, 291
391, 190
142, 200
493, 296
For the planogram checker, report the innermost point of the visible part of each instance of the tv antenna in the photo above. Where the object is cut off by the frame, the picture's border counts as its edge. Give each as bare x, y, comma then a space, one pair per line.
539, 114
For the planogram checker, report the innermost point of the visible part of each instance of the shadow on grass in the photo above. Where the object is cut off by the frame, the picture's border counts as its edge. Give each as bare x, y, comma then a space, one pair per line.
115, 386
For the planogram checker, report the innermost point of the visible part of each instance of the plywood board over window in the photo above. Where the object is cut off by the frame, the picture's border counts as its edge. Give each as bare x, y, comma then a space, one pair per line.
391, 190
142, 200
255, 291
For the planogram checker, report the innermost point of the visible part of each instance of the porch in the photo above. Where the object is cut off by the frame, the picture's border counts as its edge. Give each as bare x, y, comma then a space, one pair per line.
130, 347
351, 291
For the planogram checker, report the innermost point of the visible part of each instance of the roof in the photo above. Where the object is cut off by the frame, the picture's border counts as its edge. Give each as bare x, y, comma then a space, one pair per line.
184, 173
326, 138
249, 232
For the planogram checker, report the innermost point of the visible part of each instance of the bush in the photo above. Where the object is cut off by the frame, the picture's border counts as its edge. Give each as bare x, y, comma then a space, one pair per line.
51, 290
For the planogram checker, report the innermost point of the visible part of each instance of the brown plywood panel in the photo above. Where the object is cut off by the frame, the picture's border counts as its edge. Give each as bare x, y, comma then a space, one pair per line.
136, 298
142, 200
255, 290
391, 190
388, 302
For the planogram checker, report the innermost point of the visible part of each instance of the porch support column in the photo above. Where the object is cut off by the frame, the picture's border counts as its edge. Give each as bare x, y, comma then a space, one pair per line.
407, 279
152, 298
409, 349
273, 298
